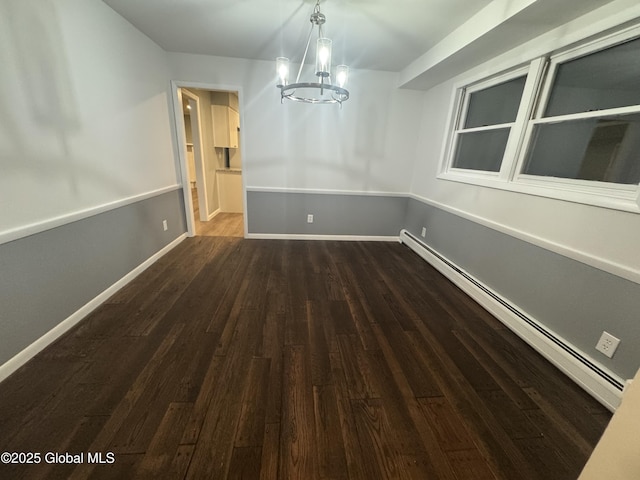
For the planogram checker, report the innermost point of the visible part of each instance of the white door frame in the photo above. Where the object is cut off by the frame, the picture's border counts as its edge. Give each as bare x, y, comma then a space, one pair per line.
196, 133
177, 89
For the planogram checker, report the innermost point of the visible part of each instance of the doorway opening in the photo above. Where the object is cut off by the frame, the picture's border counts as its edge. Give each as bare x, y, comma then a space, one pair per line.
211, 160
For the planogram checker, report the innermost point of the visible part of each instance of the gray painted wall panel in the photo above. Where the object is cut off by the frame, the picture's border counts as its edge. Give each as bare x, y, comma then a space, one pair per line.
48, 276
570, 298
286, 213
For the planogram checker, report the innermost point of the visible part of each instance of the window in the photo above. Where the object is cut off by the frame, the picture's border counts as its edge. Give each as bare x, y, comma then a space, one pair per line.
605, 149
489, 114
590, 127
566, 127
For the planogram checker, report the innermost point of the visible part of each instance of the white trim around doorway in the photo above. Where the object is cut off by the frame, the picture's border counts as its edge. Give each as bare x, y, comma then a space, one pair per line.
178, 121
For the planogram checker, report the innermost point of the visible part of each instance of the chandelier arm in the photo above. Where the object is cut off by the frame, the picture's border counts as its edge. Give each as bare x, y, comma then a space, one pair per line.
304, 57
338, 95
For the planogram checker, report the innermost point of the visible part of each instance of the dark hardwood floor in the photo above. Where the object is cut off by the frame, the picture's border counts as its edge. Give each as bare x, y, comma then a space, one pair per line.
254, 359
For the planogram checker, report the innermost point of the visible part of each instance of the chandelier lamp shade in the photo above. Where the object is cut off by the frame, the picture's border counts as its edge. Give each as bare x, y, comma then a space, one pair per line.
322, 90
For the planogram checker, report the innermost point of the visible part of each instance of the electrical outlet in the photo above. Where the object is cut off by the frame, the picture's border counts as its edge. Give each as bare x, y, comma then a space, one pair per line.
310, 218
607, 344
164, 225
424, 232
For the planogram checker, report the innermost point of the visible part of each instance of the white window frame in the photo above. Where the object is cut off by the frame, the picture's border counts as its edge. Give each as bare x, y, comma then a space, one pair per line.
461, 104
619, 196
540, 76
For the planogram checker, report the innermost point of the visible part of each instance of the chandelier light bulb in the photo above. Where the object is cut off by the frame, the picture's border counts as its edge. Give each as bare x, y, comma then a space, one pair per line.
342, 75
282, 69
323, 57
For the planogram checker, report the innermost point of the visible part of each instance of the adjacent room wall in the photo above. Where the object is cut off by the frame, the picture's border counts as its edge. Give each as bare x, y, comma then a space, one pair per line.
87, 160
616, 454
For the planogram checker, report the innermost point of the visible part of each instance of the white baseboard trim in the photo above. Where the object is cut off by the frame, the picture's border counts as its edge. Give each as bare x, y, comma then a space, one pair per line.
598, 381
300, 236
52, 335
214, 214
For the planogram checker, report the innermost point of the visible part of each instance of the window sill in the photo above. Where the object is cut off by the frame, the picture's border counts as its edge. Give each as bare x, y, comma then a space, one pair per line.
623, 199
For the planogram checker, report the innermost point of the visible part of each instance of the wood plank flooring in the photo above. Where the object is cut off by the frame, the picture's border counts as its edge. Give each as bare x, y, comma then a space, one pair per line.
233, 358
224, 224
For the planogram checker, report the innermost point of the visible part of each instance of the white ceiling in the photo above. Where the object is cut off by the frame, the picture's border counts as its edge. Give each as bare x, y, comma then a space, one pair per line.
372, 34
369, 34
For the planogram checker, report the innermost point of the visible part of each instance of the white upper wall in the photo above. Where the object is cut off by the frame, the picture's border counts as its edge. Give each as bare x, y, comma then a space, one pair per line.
367, 146
84, 117
601, 237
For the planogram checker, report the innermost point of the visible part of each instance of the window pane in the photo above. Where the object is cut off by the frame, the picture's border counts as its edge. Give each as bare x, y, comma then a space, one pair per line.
481, 150
600, 149
495, 105
605, 79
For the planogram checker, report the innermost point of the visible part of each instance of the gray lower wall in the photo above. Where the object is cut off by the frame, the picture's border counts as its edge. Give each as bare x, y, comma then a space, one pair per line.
357, 215
46, 277
570, 298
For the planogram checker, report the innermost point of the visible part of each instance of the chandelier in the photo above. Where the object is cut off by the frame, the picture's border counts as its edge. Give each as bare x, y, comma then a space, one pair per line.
322, 90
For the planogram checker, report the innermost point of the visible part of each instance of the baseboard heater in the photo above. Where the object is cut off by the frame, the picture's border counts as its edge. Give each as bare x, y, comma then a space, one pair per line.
610, 398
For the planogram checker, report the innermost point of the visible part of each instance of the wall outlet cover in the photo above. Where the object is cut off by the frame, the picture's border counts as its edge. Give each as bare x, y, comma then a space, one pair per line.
607, 344
310, 218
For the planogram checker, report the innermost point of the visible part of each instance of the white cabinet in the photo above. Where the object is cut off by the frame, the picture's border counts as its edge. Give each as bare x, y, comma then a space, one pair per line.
230, 190
226, 120
226, 123
234, 127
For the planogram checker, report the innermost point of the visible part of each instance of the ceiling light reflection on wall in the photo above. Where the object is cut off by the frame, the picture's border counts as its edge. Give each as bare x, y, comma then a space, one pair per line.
322, 90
